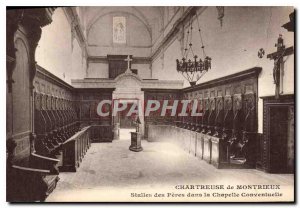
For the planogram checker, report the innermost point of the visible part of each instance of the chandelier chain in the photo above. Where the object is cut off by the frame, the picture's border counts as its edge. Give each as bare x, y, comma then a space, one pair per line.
193, 68
201, 39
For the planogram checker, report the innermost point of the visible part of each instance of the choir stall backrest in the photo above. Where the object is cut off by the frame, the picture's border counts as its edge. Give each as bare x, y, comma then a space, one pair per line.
219, 116
200, 110
212, 113
228, 118
205, 113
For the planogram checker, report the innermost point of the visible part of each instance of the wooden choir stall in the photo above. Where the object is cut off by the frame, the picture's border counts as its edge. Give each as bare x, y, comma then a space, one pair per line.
31, 176
44, 132
225, 135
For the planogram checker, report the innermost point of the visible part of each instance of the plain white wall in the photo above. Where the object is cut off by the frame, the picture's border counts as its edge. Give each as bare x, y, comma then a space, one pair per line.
55, 52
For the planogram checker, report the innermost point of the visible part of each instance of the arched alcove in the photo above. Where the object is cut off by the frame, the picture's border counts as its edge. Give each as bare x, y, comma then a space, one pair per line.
138, 32
128, 90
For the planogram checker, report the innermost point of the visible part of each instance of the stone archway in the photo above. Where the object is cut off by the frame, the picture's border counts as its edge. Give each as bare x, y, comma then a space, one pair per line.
128, 89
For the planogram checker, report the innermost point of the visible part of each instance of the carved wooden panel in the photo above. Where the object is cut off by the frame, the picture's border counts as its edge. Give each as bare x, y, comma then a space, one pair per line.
228, 113
277, 151
26, 181
206, 108
21, 90
87, 106
237, 112
249, 108
230, 108
101, 133
154, 117
212, 111
219, 114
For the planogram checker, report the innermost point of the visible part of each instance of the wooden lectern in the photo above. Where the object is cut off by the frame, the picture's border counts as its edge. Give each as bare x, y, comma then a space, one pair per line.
136, 138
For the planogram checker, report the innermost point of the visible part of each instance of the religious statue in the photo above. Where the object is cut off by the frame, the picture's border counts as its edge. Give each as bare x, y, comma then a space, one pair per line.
278, 60
135, 145
278, 63
119, 31
137, 123
276, 72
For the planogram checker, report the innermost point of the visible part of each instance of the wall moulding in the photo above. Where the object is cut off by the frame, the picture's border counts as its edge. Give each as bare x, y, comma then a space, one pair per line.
44, 74
243, 75
177, 27
76, 27
104, 59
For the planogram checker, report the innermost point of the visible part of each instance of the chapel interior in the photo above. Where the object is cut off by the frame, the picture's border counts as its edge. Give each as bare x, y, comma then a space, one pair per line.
62, 61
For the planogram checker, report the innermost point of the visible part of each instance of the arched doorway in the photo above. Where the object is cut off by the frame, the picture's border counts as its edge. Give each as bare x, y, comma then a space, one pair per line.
128, 92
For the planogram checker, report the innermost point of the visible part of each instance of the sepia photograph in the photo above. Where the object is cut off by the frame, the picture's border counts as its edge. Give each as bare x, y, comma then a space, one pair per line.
150, 104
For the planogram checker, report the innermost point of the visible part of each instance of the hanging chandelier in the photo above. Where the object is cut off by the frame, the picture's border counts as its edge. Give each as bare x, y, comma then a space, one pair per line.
192, 68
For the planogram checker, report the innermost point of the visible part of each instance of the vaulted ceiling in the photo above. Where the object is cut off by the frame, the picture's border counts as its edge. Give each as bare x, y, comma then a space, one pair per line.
151, 17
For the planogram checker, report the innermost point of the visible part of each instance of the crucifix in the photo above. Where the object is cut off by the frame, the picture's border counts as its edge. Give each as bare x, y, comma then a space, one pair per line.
279, 64
128, 59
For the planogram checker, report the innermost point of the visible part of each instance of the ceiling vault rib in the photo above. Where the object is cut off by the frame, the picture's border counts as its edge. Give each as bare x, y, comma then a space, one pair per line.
175, 29
76, 26
116, 12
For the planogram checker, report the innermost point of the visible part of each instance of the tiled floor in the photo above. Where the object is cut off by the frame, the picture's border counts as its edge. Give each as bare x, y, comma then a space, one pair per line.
109, 171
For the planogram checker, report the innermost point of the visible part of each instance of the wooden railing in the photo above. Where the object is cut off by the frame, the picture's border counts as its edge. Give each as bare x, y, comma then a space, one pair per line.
74, 149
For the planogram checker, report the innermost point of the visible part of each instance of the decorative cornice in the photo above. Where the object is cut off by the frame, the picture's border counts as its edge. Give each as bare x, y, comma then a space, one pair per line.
111, 83
93, 83
281, 97
290, 26
95, 90
43, 16
158, 90
48, 16
76, 26
43, 73
32, 19
252, 72
104, 59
